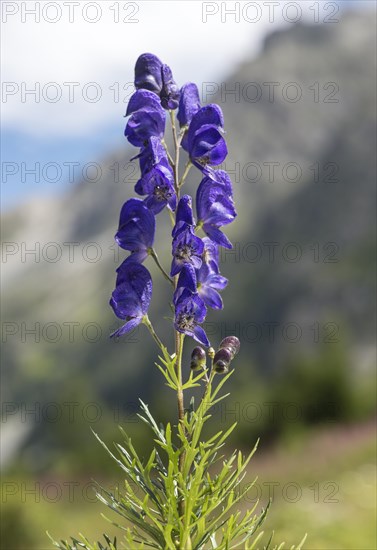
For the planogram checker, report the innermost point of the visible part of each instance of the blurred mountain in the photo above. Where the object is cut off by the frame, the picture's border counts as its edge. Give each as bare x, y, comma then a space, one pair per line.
301, 134
311, 194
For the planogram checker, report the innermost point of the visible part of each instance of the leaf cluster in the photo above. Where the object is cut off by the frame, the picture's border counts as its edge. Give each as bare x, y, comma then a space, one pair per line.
185, 494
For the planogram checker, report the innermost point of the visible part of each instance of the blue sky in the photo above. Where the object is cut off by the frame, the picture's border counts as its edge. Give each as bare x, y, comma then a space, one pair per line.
78, 67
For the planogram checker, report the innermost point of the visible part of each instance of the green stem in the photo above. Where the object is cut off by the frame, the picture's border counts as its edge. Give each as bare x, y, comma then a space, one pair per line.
179, 339
209, 379
208, 387
178, 365
153, 253
149, 325
185, 172
181, 409
176, 146
171, 215
171, 160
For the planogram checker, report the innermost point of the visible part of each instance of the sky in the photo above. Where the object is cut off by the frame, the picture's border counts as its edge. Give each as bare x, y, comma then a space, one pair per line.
67, 72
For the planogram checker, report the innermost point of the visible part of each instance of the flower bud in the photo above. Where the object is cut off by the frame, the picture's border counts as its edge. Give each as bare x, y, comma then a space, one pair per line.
222, 360
198, 358
211, 352
232, 344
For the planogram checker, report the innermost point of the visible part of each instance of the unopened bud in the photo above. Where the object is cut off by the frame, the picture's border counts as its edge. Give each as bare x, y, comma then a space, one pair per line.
222, 360
198, 358
211, 352
232, 344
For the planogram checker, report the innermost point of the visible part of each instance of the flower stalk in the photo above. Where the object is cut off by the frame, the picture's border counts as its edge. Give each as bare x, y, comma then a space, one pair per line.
194, 272
176, 148
153, 253
183, 504
149, 326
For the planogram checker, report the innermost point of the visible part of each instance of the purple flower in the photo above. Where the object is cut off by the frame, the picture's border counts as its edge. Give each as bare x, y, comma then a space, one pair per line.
147, 118
189, 104
189, 312
205, 143
170, 92
215, 206
195, 260
184, 217
187, 249
131, 298
136, 229
158, 184
206, 281
152, 153
157, 179
209, 282
186, 280
151, 74
148, 73
211, 254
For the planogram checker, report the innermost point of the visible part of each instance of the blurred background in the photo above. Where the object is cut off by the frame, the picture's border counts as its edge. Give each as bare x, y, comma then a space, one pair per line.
296, 82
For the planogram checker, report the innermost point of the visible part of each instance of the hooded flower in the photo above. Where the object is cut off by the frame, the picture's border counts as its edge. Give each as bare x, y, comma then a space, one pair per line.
157, 179
205, 143
186, 281
136, 229
215, 206
190, 311
148, 73
206, 281
187, 249
209, 283
147, 118
158, 184
152, 153
151, 74
170, 92
189, 105
132, 295
211, 254
184, 217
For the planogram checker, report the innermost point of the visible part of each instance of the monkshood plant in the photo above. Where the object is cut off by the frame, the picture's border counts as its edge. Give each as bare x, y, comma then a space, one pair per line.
187, 493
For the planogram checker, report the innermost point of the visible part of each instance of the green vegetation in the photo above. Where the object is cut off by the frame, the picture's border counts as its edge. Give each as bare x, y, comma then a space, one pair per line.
334, 468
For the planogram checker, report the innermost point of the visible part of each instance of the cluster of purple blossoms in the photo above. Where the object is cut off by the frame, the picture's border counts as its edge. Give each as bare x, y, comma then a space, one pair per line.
195, 259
